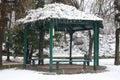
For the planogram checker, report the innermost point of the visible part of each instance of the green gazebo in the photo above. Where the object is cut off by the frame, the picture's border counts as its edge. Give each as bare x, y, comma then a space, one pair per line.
67, 25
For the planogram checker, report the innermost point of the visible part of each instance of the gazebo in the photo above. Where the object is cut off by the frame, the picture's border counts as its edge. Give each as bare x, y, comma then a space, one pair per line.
60, 17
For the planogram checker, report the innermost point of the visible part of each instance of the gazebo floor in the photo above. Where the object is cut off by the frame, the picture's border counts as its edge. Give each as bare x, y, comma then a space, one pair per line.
67, 68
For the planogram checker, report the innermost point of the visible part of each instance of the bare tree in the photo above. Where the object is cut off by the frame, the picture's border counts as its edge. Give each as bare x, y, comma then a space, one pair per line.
105, 10
69, 2
82, 5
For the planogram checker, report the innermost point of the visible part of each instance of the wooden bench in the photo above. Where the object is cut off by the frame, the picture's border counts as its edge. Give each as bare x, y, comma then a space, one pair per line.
73, 60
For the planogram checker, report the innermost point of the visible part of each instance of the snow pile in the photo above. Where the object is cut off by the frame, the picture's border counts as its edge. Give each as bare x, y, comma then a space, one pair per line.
57, 10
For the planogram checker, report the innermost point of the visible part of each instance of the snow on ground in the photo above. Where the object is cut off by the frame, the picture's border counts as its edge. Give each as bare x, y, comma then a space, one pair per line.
111, 73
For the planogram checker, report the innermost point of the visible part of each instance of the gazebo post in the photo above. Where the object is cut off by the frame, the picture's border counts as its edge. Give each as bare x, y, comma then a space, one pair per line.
96, 46
70, 57
51, 46
25, 45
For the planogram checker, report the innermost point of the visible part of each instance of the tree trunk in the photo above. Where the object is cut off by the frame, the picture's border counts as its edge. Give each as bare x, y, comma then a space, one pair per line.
9, 35
90, 45
3, 21
30, 55
41, 39
27, 53
117, 61
1, 45
65, 37
89, 55
8, 54
1, 39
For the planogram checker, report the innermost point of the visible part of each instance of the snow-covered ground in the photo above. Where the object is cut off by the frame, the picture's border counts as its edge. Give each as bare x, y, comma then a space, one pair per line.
111, 73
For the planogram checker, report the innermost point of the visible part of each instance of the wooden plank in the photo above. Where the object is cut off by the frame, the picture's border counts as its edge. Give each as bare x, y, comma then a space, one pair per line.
73, 60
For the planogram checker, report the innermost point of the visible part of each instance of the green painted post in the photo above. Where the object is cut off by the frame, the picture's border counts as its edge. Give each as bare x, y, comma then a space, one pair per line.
71, 34
51, 46
25, 46
95, 47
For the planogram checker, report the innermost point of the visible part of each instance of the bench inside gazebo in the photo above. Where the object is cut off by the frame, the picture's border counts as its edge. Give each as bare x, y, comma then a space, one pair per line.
69, 25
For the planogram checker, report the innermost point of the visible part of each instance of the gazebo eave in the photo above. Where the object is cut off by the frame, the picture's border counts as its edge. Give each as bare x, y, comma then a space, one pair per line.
65, 24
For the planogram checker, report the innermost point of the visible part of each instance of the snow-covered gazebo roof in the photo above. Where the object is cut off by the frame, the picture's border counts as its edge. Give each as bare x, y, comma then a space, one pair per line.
63, 17
59, 11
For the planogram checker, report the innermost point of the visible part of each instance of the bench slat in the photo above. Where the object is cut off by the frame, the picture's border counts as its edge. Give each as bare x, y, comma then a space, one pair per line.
73, 60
